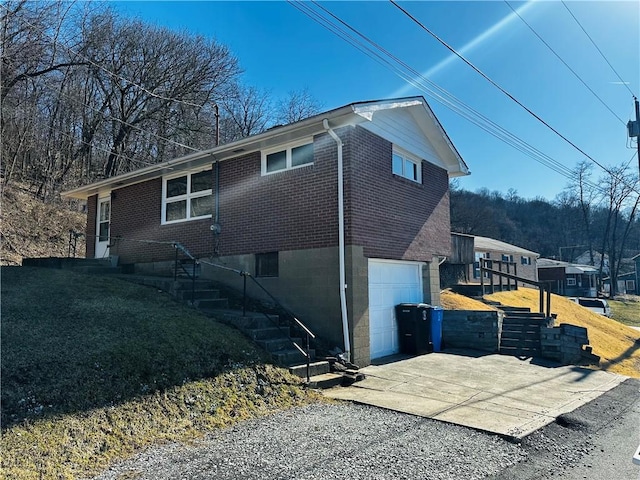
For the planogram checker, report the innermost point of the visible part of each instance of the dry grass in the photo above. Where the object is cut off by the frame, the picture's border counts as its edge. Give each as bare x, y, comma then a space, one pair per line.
618, 345
31, 228
94, 369
455, 301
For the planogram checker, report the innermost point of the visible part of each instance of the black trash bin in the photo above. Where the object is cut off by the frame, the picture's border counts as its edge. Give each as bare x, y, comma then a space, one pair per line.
414, 328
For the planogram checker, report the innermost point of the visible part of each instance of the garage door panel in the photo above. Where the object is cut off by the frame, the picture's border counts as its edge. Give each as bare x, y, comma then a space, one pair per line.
390, 283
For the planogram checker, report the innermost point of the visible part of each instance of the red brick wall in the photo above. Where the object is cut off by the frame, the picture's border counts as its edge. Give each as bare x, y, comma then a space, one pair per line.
90, 232
390, 216
135, 217
290, 210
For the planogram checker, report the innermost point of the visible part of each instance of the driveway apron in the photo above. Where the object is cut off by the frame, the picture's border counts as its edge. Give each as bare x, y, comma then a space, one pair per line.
500, 394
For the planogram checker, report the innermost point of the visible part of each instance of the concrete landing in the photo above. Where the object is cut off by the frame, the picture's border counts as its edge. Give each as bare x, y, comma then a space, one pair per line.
494, 393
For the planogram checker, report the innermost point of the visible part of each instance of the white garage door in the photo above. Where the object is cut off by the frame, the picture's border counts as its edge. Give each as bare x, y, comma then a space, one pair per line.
390, 283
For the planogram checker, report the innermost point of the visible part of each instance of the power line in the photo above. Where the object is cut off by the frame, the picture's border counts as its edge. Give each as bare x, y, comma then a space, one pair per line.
496, 85
564, 63
598, 48
111, 117
433, 90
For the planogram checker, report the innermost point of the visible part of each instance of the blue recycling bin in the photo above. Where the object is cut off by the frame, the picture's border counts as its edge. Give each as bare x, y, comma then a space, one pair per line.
437, 314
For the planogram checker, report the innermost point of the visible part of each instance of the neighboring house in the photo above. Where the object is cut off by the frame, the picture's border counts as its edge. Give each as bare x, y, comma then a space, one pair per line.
627, 284
636, 264
568, 279
463, 265
340, 247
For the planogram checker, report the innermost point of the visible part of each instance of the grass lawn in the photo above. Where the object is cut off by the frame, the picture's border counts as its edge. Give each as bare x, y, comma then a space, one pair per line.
94, 369
627, 312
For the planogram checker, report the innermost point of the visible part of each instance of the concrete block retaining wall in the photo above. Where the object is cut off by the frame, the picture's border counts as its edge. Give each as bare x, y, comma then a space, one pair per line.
479, 330
565, 342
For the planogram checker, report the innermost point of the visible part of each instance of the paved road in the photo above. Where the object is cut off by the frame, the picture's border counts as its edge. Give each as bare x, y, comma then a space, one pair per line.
596, 441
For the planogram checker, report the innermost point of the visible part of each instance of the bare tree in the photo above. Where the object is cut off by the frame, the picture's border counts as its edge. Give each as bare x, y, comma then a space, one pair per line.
30, 41
298, 105
247, 111
150, 76
587, 198
622, 200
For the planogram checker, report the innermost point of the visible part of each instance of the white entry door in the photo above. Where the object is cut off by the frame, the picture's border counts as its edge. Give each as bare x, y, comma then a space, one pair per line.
103, 227
390, 283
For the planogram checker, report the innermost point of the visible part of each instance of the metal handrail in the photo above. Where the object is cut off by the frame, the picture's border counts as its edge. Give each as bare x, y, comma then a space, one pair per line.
290, 315
179, 247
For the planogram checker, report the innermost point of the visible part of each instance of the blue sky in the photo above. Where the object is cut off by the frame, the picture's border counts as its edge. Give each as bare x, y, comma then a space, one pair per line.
281, 49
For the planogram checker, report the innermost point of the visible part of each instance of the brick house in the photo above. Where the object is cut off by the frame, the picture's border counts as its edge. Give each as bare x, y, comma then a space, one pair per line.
274, 204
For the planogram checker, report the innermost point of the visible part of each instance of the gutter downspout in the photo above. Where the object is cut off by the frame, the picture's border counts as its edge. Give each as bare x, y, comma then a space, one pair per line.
341, 247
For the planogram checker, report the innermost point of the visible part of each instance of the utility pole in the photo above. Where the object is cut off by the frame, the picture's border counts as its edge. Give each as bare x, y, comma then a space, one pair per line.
634, 129
635, 99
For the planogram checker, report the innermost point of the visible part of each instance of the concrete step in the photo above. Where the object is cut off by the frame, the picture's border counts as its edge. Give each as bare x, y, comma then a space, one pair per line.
525, 315
199, 294
291, 356
66, 262
315, 368
521, 335
211, 303
276, 344
520, 352
506, 308
252, 320
519, 343
93, 270
325, 380
263, 333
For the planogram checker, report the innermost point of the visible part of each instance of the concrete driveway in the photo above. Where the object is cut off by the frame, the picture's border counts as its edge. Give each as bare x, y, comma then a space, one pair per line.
494, 393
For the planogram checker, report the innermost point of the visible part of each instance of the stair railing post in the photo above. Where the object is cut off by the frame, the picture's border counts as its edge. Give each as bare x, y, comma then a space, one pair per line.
193, 284
175, 264
244, 294
308, 360
491, 280
541, 288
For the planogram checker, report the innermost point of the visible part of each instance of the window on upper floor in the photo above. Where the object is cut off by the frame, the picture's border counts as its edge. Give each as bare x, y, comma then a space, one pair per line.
187, 196
525, 260
287, 157
405, 165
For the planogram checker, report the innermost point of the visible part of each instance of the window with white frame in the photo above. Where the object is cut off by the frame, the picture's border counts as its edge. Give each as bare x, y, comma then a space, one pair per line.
571, 282
187, 196
525, 260
631, 285
287, 157
407, 166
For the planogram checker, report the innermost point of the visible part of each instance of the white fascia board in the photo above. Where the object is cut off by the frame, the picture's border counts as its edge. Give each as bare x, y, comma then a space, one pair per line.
436, 134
